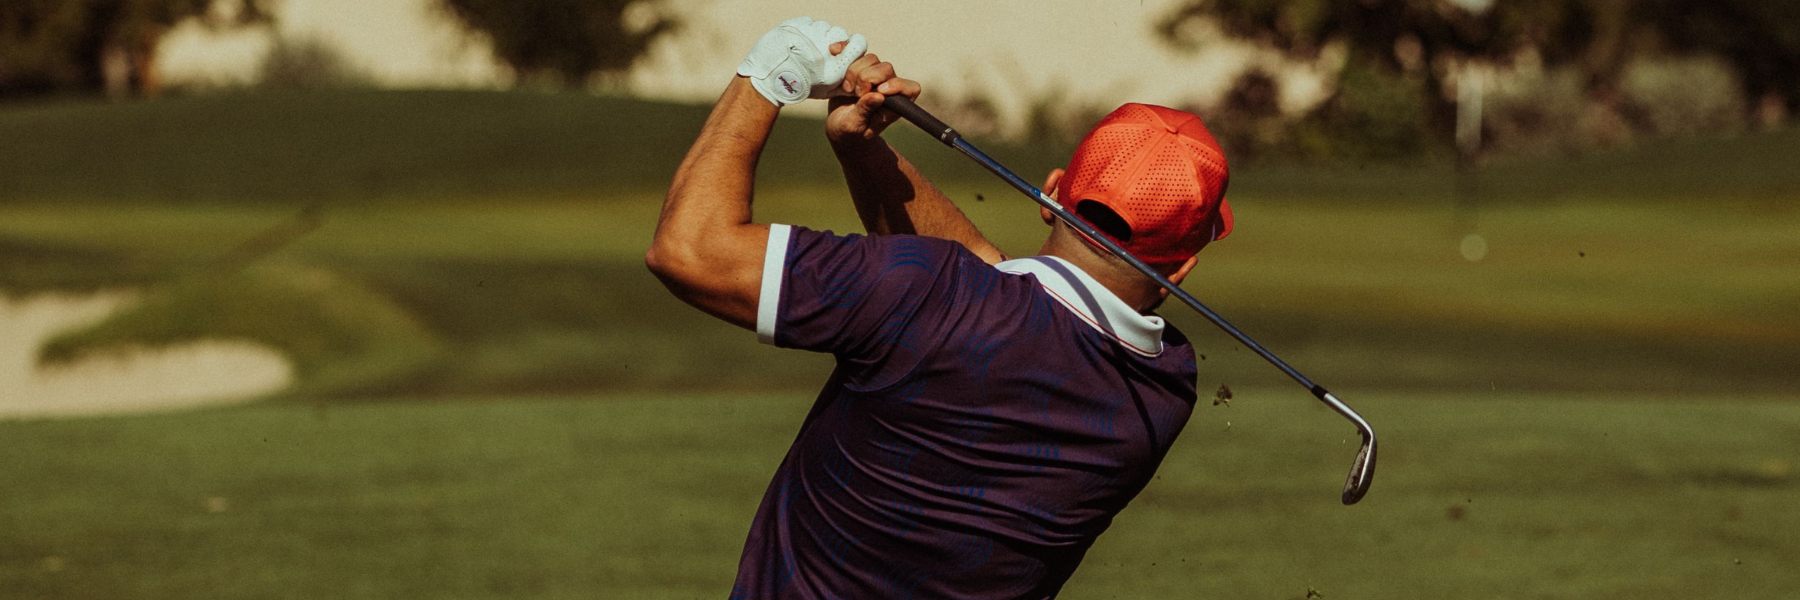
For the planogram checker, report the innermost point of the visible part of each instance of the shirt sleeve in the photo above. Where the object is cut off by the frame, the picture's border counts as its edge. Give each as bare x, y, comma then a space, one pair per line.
768, 301
859, 297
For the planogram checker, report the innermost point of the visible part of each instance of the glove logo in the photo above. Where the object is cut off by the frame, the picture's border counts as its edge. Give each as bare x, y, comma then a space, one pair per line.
791, 84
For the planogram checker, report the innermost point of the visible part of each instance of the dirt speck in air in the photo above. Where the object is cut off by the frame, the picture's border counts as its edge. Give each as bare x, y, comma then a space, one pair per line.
1223, 396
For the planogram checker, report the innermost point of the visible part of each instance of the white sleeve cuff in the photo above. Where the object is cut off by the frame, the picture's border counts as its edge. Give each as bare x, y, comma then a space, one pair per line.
768, 304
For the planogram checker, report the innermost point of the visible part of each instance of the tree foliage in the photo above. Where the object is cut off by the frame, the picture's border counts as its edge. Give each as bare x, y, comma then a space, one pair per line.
566, 41
51, 46
1760, 38
1423, 43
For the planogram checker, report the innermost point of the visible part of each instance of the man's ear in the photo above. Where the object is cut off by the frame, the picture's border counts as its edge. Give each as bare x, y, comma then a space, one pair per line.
1179, 274
1182, 273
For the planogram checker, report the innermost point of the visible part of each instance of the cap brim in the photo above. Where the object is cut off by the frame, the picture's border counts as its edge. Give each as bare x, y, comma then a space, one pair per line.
1222, 225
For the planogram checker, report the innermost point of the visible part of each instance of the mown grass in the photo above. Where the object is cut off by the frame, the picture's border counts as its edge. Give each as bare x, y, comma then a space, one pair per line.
1495, 495
430, 243
471, 296
357, 145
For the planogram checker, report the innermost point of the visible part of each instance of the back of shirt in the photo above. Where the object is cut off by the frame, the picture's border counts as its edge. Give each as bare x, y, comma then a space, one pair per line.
982, 428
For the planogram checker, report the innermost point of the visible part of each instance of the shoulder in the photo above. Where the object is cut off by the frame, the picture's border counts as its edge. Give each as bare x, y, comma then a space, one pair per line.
903, 257
803, 238
1176, 346
1179, 362
879, 302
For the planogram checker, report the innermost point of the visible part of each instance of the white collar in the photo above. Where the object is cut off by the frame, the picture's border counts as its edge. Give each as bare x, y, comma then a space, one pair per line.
1095, 304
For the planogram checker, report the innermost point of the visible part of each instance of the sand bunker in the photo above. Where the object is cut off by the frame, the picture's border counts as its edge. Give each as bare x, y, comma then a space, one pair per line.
135, 381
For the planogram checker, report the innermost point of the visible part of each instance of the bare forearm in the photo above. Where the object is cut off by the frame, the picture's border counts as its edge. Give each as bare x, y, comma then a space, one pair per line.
892, 197
714, 183
706, 249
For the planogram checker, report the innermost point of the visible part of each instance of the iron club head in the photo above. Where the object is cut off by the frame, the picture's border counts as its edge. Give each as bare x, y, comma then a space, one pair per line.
1362, 472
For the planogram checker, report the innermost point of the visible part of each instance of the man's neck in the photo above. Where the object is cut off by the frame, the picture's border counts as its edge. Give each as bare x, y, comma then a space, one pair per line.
1130, 288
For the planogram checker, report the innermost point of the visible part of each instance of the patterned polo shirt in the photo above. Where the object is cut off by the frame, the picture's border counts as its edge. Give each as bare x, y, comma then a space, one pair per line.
983, 426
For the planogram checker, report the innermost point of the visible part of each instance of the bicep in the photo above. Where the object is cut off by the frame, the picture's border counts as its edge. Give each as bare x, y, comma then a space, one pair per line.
720, 273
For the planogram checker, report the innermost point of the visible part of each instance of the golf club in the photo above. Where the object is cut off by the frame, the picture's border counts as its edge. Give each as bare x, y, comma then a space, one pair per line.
1362, 472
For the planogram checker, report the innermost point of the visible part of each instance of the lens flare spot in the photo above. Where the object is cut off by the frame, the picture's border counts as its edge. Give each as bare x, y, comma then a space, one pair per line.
1474, 247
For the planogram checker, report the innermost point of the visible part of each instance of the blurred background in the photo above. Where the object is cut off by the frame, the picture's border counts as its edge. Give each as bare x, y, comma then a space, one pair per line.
335, 298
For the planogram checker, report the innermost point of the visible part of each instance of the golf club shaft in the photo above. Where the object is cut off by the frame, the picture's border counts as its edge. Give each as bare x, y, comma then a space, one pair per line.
1361, 473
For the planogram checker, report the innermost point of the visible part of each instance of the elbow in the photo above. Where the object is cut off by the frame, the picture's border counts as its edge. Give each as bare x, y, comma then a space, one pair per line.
670, 262
670, 249
659, 259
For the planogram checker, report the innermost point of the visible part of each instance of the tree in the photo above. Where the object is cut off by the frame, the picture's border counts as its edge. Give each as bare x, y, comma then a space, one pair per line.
1396, 41
566, 42
51, 46
1430, 41
1760, 38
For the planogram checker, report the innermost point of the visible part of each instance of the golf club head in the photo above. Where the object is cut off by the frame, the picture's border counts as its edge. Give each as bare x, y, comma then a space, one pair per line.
1362, 472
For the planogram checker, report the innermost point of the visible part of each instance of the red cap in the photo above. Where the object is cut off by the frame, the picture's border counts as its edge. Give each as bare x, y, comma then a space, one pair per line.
1160, 170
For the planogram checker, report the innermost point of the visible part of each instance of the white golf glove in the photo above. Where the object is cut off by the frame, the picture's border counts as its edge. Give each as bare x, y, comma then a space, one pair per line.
793, 61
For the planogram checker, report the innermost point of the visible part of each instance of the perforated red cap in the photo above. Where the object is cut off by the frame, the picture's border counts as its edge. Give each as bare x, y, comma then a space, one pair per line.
1159, 169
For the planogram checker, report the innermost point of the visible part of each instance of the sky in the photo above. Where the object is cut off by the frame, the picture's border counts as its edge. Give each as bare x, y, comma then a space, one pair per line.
1097, 52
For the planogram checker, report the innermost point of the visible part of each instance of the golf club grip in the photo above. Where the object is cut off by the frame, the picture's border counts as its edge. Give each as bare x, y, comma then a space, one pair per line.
910, 111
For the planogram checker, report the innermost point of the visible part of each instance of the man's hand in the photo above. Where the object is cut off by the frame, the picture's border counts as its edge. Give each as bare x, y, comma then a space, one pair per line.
891, 196
791, 63
857, 113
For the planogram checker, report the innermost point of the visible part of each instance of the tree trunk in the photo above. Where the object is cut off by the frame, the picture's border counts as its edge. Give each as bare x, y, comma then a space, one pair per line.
146, 78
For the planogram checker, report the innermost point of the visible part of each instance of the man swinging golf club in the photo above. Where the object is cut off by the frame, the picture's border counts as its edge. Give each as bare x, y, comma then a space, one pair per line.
988, 417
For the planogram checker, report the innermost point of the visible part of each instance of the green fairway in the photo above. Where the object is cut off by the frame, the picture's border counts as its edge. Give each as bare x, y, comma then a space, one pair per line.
453, 297
358, 145
494, 398
491, 243
647, 497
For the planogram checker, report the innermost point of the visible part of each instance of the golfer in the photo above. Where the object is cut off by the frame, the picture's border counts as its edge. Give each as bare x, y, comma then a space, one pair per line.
988, 417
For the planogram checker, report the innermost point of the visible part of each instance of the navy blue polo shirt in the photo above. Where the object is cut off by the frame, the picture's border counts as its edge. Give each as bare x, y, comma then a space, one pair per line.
983, 426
